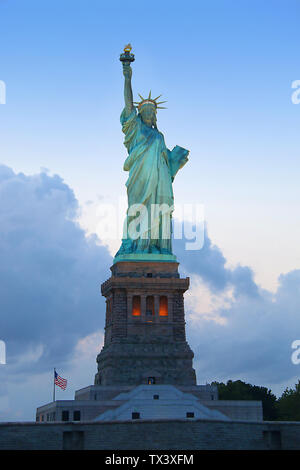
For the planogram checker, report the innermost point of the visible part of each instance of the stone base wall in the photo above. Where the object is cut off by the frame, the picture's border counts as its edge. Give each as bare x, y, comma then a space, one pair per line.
145, 326
244, 410
132, 363
151, 435
205, 393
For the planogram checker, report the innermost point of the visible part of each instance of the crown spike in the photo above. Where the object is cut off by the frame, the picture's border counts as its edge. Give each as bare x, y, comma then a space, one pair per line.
149, 101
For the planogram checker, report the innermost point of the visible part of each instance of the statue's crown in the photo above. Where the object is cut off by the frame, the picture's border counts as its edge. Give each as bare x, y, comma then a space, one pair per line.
149, 100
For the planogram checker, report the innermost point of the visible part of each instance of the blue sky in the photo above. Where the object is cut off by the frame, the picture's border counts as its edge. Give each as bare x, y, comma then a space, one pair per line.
226, 69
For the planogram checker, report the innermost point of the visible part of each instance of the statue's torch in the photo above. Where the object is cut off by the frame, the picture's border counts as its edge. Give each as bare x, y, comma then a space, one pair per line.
126, 57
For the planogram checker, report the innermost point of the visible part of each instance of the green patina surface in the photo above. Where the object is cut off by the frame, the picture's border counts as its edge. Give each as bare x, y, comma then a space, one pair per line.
145, 257
152, 168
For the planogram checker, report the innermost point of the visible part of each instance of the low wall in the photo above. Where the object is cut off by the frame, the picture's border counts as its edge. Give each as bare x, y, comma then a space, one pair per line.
242, 410
150, 435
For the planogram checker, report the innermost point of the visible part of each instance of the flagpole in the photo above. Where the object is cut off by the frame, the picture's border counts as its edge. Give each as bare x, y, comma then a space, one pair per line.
54, 385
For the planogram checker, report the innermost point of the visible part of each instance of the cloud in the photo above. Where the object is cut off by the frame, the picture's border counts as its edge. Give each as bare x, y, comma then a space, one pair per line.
209, 263
236, 328
50, 272
52, 312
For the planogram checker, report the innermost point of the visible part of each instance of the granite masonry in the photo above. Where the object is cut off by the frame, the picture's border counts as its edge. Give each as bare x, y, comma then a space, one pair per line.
151, 434
146, 365
145, 384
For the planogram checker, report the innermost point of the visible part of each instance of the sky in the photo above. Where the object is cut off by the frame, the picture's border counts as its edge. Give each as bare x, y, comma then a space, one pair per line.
226, 69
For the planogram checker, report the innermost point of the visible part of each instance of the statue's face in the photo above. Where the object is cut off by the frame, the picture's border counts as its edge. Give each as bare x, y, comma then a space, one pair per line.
148, 115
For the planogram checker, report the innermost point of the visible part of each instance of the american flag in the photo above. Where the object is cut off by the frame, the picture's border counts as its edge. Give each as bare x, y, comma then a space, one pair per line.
62, 383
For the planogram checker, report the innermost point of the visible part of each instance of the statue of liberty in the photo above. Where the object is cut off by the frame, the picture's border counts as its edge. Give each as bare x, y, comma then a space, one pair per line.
152, 168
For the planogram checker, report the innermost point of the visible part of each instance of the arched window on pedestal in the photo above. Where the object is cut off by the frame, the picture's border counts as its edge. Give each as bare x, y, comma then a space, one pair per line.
136, 305
163, 306
151, 380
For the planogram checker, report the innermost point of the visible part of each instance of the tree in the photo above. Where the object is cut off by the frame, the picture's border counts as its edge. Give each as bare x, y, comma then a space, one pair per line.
239, 390
288, 405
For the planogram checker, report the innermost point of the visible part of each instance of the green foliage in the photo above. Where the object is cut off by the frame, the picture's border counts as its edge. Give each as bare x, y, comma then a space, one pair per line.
288, 405
285, 408
239, 390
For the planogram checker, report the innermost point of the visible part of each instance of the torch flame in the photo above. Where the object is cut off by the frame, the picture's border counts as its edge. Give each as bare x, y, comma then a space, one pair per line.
128, 48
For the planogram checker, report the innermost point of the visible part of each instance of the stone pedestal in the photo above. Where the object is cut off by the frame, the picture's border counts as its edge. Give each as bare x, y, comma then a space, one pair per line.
145, 344
145, 326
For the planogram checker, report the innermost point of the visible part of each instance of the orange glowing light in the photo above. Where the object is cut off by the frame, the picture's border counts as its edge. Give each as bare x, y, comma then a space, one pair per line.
163, 306
136, 306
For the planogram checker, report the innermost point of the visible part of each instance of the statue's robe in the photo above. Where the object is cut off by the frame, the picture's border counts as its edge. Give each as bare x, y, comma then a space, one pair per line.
152, 168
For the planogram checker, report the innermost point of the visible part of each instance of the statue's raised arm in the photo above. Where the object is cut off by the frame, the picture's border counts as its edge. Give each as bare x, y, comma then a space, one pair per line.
128, 97
126, 58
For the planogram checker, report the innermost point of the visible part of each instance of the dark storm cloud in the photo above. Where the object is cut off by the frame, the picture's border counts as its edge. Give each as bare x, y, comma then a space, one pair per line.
50, 275
254, 342
209, 264
49, 271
